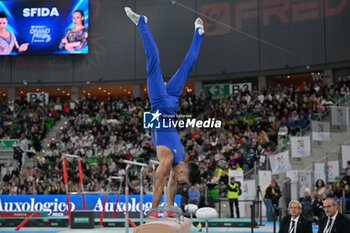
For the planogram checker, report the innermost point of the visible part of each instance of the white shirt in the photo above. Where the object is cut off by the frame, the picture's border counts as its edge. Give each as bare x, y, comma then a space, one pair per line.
295, 224
333, 220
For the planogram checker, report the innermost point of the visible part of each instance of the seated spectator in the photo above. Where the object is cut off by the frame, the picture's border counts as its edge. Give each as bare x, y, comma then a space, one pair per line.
317, 207
347, 166
346, 179
338, 190
347, 195
320, 188
330, 190
193, 196
306, 203
184, 197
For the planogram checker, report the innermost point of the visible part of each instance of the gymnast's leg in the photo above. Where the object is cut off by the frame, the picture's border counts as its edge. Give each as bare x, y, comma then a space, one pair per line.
155, 82
175, 85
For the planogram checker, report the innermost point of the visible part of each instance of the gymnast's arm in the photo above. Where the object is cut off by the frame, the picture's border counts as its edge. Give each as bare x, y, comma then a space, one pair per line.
171, 189
162, 174
20, 48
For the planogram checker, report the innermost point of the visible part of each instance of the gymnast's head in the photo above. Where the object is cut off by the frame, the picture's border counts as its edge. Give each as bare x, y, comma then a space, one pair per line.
3, 20
188, 173
78, 18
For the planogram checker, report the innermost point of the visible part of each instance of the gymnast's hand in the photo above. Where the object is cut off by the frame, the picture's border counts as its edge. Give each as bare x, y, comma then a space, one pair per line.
153, 215
170, 214
23, 47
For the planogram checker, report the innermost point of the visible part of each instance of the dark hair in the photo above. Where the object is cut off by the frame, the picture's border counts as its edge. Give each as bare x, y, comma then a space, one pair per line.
193, 173
3, 15
81, 12
322, 185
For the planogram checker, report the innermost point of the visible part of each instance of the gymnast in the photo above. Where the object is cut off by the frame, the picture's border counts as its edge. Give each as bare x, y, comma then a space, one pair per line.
7, 38
165, 99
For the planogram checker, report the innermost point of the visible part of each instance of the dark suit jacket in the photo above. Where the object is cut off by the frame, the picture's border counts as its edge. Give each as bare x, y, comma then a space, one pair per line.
341, 224
303, 225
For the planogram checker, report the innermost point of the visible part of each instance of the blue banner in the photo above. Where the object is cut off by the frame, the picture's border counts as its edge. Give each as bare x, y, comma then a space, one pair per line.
44, 27
56, 205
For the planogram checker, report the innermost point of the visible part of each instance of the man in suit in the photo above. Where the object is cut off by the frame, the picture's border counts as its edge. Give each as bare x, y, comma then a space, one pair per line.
333, 222
295, 222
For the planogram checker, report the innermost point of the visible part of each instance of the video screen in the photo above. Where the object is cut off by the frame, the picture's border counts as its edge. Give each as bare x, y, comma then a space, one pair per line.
44, 27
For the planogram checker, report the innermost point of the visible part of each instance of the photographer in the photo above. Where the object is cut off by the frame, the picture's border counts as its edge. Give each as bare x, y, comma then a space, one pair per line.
272, 195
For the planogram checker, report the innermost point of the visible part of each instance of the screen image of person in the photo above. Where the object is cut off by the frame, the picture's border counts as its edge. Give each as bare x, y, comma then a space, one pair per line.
7, 38
75, 38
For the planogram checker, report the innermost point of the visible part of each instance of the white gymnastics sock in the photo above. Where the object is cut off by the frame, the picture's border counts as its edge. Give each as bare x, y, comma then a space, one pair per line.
133, 16
199, 24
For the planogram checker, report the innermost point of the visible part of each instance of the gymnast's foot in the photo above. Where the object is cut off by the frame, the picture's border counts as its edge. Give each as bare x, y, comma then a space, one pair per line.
133, 16
199, 24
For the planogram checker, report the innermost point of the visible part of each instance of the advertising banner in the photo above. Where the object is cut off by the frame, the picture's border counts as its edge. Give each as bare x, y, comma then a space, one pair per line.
301, 146
56, 205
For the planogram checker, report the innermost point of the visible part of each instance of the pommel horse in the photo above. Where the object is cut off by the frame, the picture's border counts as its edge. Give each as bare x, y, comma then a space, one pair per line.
178, 224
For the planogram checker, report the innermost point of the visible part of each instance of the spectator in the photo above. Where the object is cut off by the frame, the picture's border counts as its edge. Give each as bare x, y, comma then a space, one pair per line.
320, 188
347, 166
330, 190
193, 196
17, 155
317, 207
295, 222
7, 176
346, 178
338, 190
347, 196
333, 222
307, 204
184, 197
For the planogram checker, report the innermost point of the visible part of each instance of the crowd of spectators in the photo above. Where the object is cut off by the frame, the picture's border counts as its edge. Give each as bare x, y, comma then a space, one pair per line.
26, 121
313, 201
103, 133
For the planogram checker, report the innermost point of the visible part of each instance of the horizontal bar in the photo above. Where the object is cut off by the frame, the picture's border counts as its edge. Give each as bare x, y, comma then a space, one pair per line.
115, 178
71, 156
153, 161
135, 163
92, 193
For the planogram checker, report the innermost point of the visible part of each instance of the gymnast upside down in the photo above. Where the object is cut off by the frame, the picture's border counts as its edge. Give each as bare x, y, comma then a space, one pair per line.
165, 99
